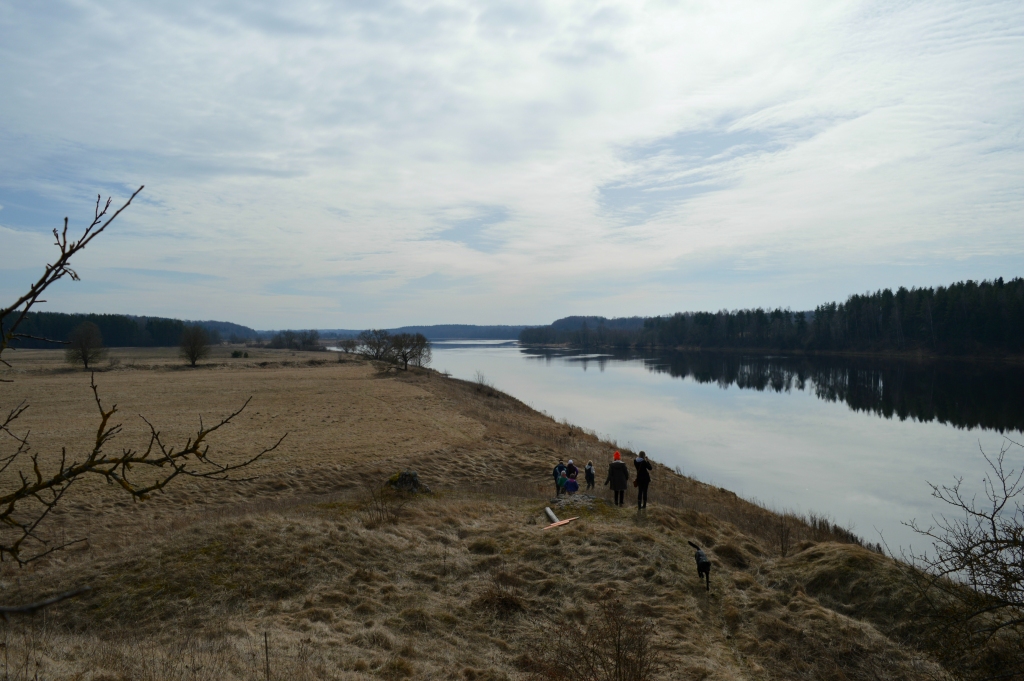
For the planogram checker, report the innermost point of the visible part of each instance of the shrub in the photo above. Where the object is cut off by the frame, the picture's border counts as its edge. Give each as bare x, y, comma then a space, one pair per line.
609, 644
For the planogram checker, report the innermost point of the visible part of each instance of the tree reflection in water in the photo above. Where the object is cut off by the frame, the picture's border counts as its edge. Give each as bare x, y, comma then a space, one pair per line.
958, 393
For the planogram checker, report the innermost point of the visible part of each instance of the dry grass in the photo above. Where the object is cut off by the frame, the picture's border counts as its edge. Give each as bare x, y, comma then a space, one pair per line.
463, 584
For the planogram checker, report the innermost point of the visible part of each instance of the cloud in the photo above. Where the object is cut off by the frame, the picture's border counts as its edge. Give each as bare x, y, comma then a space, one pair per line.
470, 162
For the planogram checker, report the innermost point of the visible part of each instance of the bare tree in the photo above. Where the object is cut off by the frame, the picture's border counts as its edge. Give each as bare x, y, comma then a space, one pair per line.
971, 584
297, 340
409, 347
195, 344
32, 491
376, 344
85, 345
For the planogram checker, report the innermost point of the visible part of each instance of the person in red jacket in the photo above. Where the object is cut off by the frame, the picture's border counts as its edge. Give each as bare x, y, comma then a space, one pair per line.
618, 476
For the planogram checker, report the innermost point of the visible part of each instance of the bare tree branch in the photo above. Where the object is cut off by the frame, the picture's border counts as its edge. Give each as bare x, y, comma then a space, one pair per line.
58, 269
972, 580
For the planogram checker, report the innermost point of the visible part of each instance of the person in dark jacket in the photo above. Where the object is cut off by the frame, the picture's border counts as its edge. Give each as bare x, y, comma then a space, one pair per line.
618, 476
643, 479
559, 469
571, 471
589, 472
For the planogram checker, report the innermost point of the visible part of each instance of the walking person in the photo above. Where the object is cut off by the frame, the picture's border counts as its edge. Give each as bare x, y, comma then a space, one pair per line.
559, 469
590, 474
618, 476
643, 479
570, 470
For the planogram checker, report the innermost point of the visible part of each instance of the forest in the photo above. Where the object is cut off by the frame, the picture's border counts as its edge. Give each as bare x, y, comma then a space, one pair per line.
118, 330
965, 318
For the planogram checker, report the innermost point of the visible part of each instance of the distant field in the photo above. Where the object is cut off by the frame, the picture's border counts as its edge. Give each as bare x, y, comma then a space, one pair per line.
343, 422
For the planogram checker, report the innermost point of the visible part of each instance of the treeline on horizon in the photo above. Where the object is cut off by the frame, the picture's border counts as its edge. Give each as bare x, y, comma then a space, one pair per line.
122, 331
964, 318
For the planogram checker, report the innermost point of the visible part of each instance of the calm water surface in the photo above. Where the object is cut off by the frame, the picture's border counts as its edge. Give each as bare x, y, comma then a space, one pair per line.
857, 440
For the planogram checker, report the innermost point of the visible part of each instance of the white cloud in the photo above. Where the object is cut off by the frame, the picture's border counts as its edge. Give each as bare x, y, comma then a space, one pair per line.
347, 164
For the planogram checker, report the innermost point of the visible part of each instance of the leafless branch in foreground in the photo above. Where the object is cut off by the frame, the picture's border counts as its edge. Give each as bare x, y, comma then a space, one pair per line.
35, 494
971, 583
13, 315
27, 493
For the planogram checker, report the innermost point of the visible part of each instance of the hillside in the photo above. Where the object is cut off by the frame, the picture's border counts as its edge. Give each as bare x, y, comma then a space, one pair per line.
466, 584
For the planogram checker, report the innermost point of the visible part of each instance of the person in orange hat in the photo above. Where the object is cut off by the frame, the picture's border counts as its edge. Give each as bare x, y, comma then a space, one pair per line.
618, 477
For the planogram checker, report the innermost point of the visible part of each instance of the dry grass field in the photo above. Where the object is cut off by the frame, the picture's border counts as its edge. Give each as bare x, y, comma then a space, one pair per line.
465, 584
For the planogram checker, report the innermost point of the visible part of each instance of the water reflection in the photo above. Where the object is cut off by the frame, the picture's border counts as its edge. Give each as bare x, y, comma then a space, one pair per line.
960, 394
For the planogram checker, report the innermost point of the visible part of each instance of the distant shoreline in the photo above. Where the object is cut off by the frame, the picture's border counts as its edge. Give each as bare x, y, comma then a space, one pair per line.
907, 356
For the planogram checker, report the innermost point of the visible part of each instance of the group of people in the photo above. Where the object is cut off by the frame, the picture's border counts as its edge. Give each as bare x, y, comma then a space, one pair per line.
618, 478
566, 474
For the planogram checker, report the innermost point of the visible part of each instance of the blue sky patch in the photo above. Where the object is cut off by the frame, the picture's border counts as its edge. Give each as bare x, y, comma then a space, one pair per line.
473, 232
674, 169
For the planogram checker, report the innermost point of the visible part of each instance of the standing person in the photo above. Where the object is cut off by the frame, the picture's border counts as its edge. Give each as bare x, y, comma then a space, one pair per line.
559, 469
618, 476
589, 473
561, 483
571, 486
643, 479
571, 471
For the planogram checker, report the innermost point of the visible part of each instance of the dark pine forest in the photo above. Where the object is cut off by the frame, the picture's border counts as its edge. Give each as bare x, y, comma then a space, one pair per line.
966, 318
118, 330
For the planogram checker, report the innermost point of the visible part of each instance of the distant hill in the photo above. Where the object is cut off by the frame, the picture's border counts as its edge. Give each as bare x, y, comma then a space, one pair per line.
435, 332
227, 330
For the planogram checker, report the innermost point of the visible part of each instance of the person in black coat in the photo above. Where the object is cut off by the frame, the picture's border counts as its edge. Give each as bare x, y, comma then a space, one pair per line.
643, 479
618, 476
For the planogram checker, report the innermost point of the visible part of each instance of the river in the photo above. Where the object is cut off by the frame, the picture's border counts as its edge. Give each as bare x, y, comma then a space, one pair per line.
858, 440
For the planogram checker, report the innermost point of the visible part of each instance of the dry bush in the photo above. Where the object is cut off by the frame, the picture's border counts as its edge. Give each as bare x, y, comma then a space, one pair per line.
607, 644
503, 593
382, 505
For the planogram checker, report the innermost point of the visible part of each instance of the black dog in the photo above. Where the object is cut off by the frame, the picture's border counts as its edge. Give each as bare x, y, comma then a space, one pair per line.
703, 566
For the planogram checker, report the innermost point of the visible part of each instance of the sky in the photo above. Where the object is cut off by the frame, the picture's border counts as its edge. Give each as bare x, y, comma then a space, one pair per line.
377, 164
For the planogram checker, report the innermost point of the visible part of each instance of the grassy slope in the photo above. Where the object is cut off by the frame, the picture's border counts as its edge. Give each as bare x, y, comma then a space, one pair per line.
342, 597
